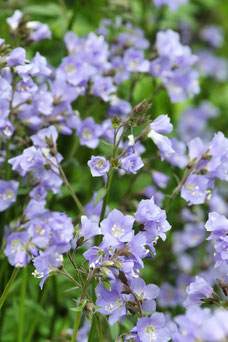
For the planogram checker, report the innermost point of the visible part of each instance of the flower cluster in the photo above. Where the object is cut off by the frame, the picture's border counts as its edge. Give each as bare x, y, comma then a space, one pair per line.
174, 66
117, 241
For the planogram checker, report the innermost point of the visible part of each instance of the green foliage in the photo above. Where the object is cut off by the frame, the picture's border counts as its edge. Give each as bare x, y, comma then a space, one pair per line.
46, 314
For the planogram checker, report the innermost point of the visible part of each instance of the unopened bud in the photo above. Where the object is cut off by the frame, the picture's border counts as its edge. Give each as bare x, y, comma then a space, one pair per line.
80, 241
131, 140
123, 278
108, 263
223, 285
141, 107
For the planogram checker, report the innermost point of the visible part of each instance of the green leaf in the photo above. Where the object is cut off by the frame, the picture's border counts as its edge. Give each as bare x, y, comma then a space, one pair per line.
71, 289
114, 331
77, 309
49, 10
100, 195
80, 307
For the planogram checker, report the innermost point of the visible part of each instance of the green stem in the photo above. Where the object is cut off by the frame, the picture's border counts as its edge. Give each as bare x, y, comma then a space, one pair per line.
108, 186
64, 9
72, 19
8, 286
56, 307
22, 306
36, 318
92, 330
99, 330
79, 313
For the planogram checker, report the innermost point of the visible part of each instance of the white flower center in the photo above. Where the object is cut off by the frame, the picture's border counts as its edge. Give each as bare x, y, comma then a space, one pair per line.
117, 231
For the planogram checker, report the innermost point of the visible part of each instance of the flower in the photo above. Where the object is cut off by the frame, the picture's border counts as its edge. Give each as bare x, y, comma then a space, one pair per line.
89, 133
195, 188
16, 57
112, 302
133, 61
8, 193
103, 88
197, 291
99, 166
131, 163
88, 228
172, 4
158, 127
117, 228
153, 328
16, 249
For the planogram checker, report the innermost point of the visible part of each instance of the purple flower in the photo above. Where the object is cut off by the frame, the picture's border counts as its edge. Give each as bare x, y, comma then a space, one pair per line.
30, 159
48, 260
96, 256
212, 66
35, 209
178, 158
147, 211
103, 88
8, 193
43, 100
16, 249
192, 236
197, 291
194, 191
133, 61
118, 106
217, 224
117, 228
99, 166
162, 124
5, 89
174, 66
4, 109
88, 228
74, 70
173, 4
160, 179
167, 296
6, 128
62, 229
14, 21
153, 328
131, 163
213, 35
137, 247
39, 138
157, 128
145, 293
151, 191
89, 133
39, 231
194, 119
16, 57
183, 82
112, 302
38, 30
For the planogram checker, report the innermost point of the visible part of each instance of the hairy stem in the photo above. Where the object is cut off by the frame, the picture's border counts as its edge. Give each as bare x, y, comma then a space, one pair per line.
79, 313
